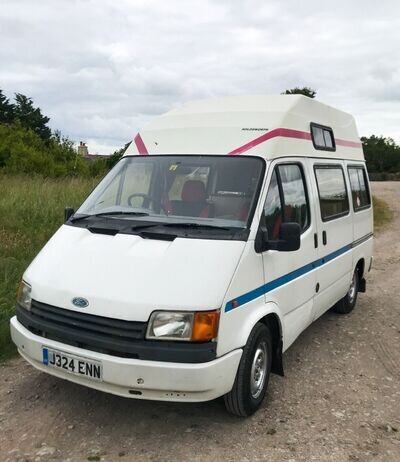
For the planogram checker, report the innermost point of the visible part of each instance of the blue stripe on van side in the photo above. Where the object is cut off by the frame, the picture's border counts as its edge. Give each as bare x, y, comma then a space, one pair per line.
259, 291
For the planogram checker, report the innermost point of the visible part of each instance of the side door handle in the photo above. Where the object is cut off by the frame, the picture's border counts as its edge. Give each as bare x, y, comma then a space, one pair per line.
315, 240
324, 239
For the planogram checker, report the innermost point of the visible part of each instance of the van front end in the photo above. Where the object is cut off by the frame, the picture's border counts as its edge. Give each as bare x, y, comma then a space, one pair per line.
128, 296
129, 315
182, 372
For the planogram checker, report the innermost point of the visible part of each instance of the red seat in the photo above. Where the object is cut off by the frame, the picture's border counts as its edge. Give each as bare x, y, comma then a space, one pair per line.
193, 201
278, 222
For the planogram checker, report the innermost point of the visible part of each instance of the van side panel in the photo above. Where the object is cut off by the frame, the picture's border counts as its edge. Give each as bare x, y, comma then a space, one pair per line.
236, 322
305, 298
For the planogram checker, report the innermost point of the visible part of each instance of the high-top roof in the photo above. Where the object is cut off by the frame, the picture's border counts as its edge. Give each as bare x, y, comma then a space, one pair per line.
266, 126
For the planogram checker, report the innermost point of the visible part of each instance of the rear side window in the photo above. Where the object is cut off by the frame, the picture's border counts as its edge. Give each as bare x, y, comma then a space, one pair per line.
286, 200
359, 188
333, 198
322, 137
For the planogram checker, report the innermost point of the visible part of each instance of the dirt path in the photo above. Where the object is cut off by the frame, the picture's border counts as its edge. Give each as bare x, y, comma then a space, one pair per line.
339, 401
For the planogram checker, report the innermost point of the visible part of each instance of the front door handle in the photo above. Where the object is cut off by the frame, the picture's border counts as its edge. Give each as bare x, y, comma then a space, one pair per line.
315, 240
324, 239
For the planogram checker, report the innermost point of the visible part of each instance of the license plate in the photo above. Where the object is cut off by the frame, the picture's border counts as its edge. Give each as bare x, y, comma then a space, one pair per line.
72, 364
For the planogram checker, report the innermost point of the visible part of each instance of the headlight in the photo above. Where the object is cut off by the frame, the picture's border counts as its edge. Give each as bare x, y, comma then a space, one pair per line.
24, 298
201, 326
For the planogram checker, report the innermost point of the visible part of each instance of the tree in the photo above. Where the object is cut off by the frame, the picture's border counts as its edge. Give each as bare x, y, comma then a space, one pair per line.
116, 155
306, 91
31, 117
6, 109
382, 154
27, 145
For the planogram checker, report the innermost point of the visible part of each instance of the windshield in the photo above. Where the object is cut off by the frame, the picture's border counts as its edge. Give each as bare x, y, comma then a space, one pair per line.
204, 190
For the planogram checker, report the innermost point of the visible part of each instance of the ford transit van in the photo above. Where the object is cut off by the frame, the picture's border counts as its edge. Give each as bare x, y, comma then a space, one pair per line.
225, 230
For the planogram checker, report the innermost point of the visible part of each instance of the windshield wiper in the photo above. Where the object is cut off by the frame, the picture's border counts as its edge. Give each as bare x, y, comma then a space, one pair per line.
195, 226
104, 214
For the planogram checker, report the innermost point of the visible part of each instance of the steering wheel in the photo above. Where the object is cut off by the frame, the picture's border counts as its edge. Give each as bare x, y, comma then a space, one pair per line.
147, 200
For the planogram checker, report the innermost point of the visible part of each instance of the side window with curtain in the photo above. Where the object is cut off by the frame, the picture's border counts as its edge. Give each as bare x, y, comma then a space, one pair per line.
286, 200
359, 188
332, 191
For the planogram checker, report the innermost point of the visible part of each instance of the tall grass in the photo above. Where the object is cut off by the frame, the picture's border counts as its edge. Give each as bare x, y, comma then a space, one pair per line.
31, 210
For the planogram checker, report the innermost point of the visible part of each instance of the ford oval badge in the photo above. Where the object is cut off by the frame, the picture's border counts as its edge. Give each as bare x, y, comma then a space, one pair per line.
80, 302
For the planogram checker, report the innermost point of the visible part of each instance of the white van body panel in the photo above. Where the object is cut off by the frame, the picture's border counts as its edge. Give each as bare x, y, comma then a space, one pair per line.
248, 275
267, 126
128, 277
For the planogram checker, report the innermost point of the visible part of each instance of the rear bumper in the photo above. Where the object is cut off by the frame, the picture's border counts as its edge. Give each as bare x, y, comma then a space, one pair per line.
163, 381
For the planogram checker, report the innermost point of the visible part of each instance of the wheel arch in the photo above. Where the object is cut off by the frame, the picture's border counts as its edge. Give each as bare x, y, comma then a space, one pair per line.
242, 321
360, 267
269, 315
273, 322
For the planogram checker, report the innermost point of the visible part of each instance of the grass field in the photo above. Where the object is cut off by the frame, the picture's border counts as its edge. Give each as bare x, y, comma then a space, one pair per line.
382, 213
31, 210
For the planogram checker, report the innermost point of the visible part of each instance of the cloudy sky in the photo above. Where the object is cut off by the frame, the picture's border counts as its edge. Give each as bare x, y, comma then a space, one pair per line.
101, 69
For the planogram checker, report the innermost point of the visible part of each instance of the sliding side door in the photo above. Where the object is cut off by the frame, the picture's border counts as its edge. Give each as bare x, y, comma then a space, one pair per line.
334, 234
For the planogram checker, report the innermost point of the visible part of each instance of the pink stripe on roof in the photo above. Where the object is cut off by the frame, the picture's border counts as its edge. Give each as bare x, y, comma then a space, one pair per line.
348, 144
141, 147
287, 133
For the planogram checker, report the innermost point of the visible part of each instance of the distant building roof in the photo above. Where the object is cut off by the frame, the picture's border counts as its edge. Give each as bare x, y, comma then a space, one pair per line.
84, 152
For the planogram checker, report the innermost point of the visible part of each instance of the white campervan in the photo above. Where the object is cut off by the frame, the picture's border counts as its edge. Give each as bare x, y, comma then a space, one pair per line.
226, 229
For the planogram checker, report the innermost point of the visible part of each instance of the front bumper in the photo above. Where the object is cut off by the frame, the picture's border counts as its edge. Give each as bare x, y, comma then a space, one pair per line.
164, 381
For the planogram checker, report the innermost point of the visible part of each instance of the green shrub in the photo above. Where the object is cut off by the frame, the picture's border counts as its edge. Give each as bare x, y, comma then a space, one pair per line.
23, 151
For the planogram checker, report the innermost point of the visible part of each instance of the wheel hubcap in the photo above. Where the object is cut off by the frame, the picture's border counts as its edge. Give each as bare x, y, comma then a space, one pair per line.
353, 289
258, 370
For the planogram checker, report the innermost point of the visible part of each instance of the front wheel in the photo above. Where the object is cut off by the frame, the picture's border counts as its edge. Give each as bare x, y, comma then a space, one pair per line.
253, 373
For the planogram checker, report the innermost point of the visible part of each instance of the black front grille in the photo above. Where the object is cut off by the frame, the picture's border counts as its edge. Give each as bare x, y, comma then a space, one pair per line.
115, 337
97, 333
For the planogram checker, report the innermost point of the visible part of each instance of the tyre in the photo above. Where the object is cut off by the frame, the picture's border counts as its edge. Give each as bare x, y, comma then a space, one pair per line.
253, 374
348, 302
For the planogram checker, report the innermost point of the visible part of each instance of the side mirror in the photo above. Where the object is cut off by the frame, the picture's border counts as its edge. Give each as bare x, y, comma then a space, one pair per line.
68, 212
289, 239
261, 241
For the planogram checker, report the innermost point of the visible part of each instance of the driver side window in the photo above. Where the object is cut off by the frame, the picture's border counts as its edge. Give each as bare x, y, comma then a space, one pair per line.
273, 209
286, 200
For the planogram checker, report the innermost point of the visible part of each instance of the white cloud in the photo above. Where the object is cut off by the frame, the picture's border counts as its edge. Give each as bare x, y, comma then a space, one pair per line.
101, 69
